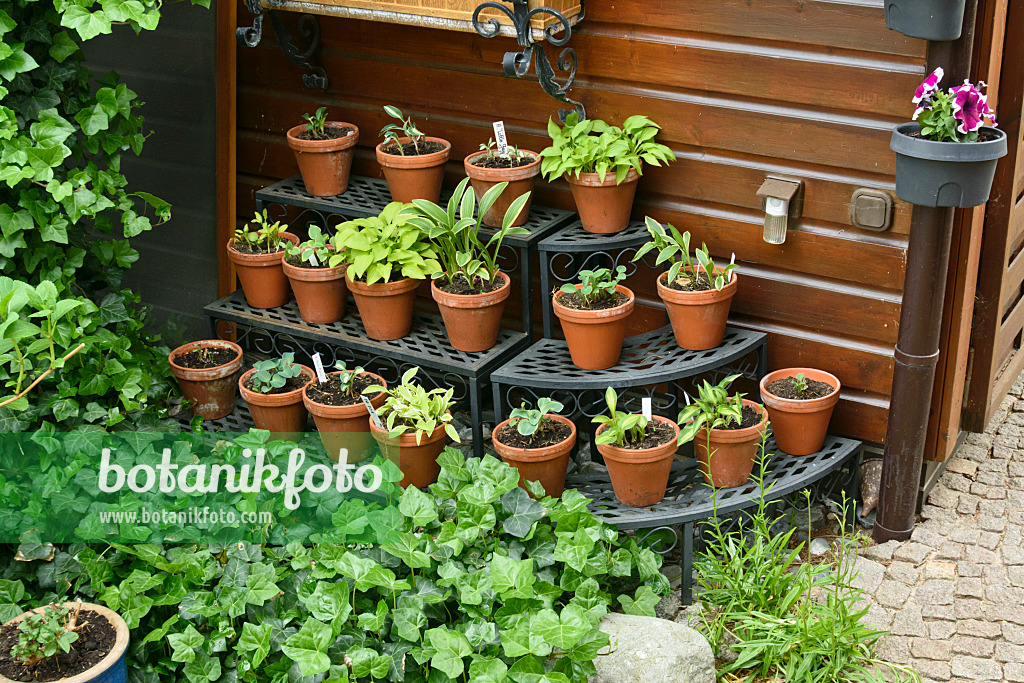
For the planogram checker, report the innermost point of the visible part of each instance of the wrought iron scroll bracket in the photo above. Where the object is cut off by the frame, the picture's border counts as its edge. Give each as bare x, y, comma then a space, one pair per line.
517, 64
309, 29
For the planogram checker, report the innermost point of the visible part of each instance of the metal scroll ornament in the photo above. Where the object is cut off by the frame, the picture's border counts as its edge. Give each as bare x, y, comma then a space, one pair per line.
309, 28
518, 63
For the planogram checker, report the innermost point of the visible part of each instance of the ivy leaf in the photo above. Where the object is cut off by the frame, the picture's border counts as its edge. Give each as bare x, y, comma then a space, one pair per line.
112, 309
642, 605
51, 129
406, 622
255, 639
11, 595
308, 647
449, 649
523, 511
63, 47
87, 24
417, 506
260, 584
488, 670
123, 10
202, 669
512, 578
93, 119
406, 548
368, 663
330, 603
562, 630
184, 644
17, 62
6, 25
159, 633
589, 645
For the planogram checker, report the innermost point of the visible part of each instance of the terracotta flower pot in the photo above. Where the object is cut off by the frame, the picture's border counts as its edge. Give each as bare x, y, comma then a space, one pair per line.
418, 462
520, 181
472, 320
324, 164
416, 176
733, 452
113, 667
546, 465
281, 413
320, 292
263, 281
604, 207
800, 426
211, 390
640, 476
698, 318
595, 337
385, 307
345, 427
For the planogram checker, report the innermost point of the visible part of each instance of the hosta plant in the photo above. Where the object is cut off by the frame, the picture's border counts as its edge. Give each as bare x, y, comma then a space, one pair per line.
260, 234
273, 373
347, 378
953, 115
316, 251
534, 422
410, 407
597, 286
622, 427
712, 409
405, 125
384, 248
594, 146
315, 123
673, 247
42, 634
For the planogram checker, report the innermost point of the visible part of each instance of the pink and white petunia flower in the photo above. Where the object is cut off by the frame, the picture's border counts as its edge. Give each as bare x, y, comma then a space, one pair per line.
970, 107
929, 86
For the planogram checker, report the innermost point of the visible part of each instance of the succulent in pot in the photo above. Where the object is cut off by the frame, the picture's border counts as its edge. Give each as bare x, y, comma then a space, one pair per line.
257, 251
469, 289
319, 288
696, 292
323, 149
637, 451
726, 432
602, 164
947, 155
800, 402
518, 168
207, 373
273, 390
388, 257
537, 442
593, 314
413, 163
339, 412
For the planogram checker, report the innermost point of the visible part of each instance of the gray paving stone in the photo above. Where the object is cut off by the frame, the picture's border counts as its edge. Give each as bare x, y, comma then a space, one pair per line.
928, 537
950, 551
909, 622
892, 594
935, 592
938, 612
941, 630
1012, 633
955, 483
1014, 672
939, 569
967, 608
895, 649
932, 671
926, 648
912, 552
965, 466
970, 588
904, 572
968, 569
1007, 652
995, 524
881, 551
989, 540
976, 669
1016, 575
869, 575
973, 646
978, 628
968, 504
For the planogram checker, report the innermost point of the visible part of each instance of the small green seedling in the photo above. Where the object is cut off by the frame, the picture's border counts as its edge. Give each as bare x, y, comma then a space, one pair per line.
42, 634
260, 233
406, 126
274, 374
598, 285
347, 377
315, 251
513, 153
713, 408
315, 123
674, 246
534, 422
622, 427
800, 383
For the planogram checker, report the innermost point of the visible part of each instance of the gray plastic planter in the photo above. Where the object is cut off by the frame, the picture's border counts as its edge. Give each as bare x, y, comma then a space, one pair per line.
928, 19
930, 173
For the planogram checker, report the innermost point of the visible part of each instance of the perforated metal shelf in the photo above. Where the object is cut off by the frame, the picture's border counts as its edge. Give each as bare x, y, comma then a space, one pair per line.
573, 238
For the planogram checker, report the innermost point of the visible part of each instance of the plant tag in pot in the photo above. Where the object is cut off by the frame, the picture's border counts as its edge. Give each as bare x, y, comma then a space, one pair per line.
732, 262
321, 376
499, 136
373, 413
645, 407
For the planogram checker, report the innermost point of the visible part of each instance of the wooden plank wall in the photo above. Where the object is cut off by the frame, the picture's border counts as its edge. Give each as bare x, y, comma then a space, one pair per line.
742, 88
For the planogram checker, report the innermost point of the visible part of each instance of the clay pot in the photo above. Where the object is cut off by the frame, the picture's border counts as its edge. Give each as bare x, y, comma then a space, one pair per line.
698, 318
283, 414
345, 427
320, 292
594, 337
604, 207
414, 176
211, 390
263, 281
472, 320
800, 426
733, 452
385, 307
640, 476
113, 667
418, 462
324, 164
546, 465
520, 181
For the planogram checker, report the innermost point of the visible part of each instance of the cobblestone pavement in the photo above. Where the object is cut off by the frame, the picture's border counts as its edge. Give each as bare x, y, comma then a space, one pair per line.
953, 595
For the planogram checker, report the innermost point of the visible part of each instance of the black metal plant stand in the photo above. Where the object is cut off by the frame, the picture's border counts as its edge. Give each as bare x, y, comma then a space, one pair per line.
309, 27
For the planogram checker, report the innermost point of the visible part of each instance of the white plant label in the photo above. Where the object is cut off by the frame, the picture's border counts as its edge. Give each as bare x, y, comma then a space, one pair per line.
687, 396
321, 376
315, 262
373, 413
732, 262
499, 137
645, 407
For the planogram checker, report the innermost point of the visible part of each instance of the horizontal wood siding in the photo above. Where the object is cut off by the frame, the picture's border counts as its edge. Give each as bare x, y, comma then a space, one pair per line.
742, 88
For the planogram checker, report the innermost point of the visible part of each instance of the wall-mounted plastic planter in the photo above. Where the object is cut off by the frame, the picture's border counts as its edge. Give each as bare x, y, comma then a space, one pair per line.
927, 19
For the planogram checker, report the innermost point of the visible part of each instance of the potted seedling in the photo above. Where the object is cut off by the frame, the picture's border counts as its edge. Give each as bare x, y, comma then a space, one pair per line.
339, 412
726, 432
947, 156
388, 257
257, 250
207, 374
319, 288
77, 642
413, 163
518, 168
799, 403
469, 289
414, 424
696, 292
537, 442
273, 390
593, 313
323, 150
926, 19
637, 451
602, 164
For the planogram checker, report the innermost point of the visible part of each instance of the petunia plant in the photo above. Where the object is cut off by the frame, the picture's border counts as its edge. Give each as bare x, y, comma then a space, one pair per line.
953, 115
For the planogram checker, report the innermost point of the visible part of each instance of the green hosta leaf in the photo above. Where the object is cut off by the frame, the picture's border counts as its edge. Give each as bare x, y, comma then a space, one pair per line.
449, 649
184, 644
523, 511
308, 647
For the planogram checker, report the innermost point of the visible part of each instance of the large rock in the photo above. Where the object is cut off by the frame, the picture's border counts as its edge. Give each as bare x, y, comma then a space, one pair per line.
650, 650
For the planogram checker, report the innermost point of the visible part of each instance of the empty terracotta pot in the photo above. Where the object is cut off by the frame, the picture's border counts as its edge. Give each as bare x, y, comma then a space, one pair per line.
418, 462
472, 320
800, 426
603, 206
324, 164
416, 176
640, 476
385, 307
520, 181
319, 292
546, 465
733, 452
210, 390
263, 280
698, 318
345, 428
283, 414
595, 337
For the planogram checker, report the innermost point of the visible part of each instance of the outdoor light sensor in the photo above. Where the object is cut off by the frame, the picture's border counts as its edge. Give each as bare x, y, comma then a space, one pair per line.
782, 198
